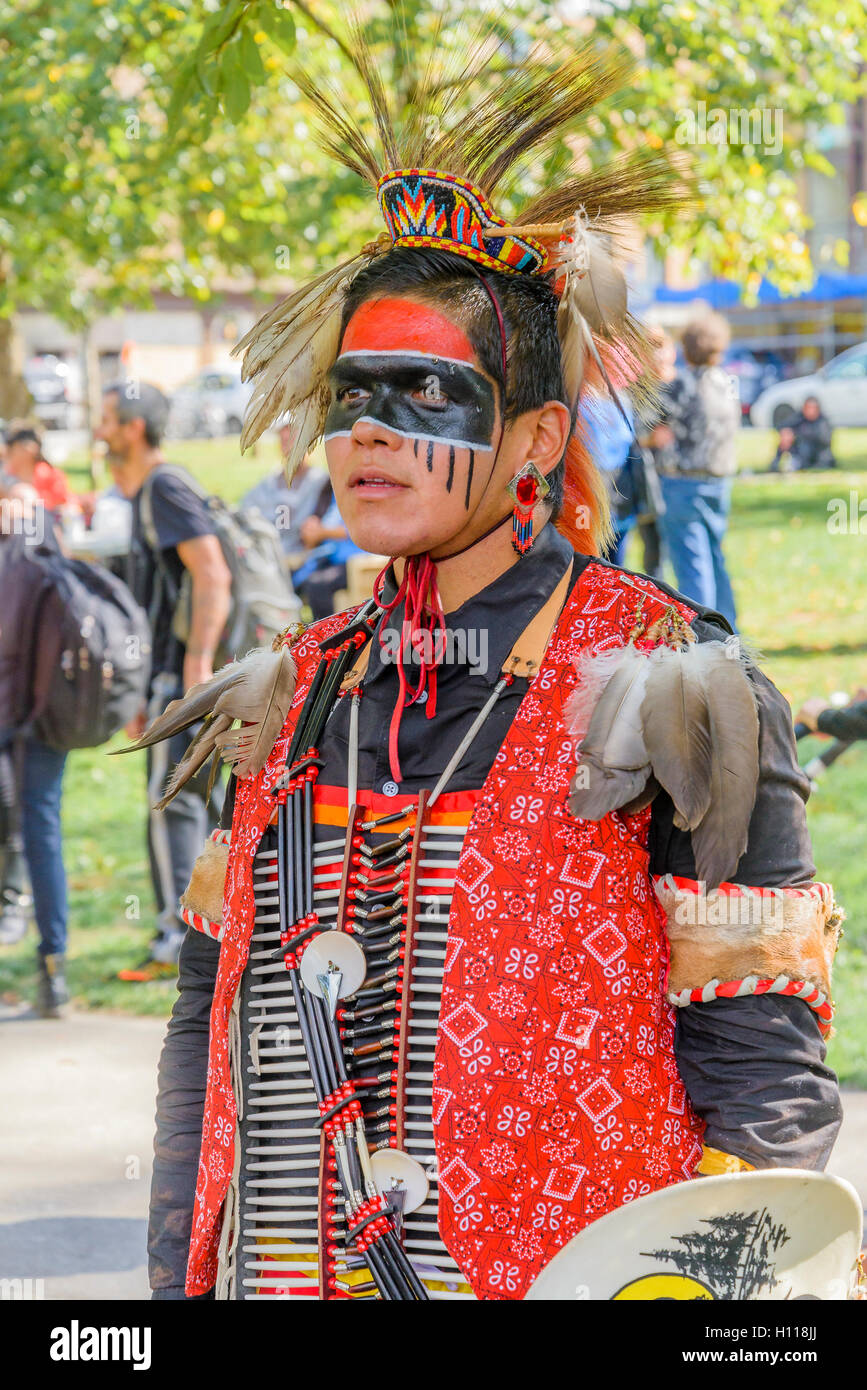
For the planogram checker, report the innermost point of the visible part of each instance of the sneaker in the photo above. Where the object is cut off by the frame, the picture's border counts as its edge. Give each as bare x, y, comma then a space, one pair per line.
149, 969
52, 994
161, 964
14, 916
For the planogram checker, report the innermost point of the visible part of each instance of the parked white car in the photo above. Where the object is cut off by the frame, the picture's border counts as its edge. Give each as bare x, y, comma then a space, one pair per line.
212, 403
840, 387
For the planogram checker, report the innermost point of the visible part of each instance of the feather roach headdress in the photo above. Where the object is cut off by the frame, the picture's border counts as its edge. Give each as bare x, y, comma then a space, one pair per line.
473, 119
434, 167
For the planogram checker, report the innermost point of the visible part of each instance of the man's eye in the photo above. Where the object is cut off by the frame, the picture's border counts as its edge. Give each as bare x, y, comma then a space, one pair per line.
352, 395
430, 393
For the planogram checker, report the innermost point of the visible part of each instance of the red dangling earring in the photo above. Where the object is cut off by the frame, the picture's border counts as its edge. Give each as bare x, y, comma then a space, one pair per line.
527, 488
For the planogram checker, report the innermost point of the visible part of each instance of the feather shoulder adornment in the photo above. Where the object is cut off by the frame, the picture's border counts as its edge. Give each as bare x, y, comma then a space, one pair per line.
256, 691
682, 718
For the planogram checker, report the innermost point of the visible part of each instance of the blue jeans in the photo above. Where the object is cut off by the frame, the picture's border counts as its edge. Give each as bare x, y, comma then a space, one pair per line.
693, 525
40, 784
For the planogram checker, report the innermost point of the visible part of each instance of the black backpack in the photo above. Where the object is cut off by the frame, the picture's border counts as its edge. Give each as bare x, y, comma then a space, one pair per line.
74, 649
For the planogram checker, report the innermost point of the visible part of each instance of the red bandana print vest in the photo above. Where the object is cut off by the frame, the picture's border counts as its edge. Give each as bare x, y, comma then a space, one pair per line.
556, 1092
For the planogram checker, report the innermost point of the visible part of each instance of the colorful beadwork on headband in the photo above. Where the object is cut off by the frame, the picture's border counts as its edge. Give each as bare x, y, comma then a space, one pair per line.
424, 207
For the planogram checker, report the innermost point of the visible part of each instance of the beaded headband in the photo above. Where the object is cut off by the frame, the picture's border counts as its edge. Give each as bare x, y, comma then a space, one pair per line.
426, 207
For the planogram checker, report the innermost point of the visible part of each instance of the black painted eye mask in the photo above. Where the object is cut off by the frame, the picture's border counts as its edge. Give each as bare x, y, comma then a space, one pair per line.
419, 396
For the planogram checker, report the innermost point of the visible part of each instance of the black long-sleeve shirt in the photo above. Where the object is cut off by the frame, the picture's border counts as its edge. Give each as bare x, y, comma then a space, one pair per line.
754, 1067
844, 724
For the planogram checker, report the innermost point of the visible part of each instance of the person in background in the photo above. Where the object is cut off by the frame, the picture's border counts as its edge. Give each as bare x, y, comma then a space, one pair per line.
31, 780
807, 440
324, 571
608, 439
132, 427
847, 724
25, 461
693, 438
287, 505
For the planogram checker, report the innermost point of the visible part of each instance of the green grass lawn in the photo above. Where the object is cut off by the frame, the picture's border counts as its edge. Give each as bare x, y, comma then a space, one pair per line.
802, 597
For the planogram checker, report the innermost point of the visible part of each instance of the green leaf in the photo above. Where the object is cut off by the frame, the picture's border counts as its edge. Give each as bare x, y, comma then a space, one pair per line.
250, 57
181, 92
220, 26
278, 25
234, 83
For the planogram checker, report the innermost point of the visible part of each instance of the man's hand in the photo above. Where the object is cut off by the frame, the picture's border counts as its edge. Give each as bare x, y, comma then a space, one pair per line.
810, 710
136, 726
312, 532
196, 670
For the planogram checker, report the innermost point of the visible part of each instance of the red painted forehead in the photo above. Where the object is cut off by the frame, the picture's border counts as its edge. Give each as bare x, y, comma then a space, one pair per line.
403, 325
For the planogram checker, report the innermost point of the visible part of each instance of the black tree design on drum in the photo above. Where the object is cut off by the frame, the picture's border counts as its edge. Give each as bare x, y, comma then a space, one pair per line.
733, 1255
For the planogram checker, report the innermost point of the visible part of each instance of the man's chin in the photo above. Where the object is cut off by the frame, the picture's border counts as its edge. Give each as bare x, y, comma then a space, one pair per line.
381, 537
383, 528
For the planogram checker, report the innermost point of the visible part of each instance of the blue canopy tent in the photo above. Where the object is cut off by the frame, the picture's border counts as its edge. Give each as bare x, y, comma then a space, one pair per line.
724, 294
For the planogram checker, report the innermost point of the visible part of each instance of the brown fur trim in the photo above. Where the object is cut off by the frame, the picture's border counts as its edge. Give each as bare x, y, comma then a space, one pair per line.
207, 882
729, 936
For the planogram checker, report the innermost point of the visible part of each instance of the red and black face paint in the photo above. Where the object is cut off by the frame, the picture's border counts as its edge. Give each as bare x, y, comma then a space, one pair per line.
408, 367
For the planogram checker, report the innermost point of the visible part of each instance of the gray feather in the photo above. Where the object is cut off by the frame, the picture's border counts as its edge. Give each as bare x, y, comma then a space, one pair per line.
721, 837
257, 691
596, 790
198, 753
677, 732
614, 765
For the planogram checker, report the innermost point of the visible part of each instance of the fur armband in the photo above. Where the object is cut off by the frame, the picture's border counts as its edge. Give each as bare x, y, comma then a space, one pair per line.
202, 903
736, 940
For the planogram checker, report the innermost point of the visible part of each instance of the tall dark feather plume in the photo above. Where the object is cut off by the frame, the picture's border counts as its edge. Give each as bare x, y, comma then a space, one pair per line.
475, 112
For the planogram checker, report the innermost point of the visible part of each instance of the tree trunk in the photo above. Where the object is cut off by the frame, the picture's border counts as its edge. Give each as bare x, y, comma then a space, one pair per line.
14, 396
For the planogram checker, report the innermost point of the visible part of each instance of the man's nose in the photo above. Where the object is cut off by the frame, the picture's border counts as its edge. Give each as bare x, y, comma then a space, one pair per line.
367, 431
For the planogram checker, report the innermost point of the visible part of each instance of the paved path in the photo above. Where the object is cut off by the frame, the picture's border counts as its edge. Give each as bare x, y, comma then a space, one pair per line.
75, 1151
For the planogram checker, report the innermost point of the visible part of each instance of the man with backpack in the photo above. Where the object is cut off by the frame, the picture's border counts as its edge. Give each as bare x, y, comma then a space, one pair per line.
175, 551
74, 659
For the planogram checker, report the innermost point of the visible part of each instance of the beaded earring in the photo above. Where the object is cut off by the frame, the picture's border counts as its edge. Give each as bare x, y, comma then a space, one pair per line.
527, 488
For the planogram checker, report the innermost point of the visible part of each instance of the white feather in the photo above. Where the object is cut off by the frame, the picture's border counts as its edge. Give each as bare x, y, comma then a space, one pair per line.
594, 670
307, 421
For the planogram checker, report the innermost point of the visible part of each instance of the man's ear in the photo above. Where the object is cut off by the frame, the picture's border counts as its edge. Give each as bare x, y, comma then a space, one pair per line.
550, 435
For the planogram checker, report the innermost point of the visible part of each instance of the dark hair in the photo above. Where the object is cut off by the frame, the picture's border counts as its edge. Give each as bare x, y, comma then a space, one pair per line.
23, 434
529, 309
705, 339
136, 400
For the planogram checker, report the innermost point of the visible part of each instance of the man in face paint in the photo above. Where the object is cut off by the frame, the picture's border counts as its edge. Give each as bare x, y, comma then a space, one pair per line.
416, 448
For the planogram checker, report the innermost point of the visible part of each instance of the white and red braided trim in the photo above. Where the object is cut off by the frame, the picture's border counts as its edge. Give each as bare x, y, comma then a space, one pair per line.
221, 837
751, 984
202, 924
823, 891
